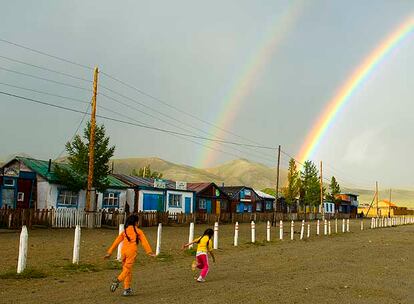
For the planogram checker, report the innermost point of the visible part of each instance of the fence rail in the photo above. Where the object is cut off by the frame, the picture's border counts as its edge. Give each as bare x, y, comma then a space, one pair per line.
69, 218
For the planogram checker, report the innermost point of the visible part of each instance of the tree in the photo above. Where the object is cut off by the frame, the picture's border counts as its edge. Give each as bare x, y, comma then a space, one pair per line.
335, 190
291, 191
75, 174
146, 172
310, 185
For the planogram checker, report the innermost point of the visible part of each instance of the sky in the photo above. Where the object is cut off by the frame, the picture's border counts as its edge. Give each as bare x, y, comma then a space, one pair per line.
192, 56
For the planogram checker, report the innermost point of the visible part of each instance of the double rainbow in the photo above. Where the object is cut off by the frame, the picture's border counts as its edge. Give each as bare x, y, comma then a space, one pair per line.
357, 78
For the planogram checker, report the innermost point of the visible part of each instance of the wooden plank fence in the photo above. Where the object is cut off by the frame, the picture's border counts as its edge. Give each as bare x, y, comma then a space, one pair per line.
69, 218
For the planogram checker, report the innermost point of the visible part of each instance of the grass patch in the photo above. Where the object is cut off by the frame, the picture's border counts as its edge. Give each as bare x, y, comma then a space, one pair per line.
257, 243
83, 267
190, 251
113, 265
163, 257
28, 273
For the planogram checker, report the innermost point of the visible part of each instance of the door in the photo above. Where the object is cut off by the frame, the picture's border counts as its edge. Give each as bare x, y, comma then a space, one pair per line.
208, 206
7, 198
152, 202
188, 205
218, 208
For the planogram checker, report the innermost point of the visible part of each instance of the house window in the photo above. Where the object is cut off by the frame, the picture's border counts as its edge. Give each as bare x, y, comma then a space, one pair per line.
223, 205
67, 198
202, 204
8, 182
268, 205
111, 200
259, 206
174, 200
7, 198
20, 196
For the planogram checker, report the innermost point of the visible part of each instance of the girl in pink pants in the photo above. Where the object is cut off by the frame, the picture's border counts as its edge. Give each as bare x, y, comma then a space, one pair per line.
204, 246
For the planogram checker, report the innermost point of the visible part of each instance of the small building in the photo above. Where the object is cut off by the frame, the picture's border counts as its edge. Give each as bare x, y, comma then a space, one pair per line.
385, 209
266, 202
347, 203
34, 184
159, 194
242, 199
209, 198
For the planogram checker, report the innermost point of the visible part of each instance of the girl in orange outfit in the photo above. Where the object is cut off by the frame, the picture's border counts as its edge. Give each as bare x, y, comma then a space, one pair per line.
130, 238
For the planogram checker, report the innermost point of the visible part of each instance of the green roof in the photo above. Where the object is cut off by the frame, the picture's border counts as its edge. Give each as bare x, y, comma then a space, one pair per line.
41, 167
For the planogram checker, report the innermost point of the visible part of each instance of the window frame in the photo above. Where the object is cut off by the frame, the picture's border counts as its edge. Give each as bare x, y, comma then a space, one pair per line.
72, 196
204, 202
8, 179
175, 203
112, 195
20, 196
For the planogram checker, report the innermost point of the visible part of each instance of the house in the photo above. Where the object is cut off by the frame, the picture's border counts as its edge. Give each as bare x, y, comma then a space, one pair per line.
159, 195
347, 203
32, 183
329, 207
242, 199
385, 208
266, 202
209, 198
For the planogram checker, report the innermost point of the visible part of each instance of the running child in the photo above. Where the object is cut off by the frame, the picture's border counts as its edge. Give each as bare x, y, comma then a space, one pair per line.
131, 236
204, 246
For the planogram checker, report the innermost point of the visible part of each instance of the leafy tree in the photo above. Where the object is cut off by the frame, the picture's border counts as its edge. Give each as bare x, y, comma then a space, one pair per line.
75, 174
291, 191
310, 185
146, 172
335, 190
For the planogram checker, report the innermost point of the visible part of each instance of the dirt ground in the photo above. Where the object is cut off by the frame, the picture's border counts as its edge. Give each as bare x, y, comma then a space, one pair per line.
370, 266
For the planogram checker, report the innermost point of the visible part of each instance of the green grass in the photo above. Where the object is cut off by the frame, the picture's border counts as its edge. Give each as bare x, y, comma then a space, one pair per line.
163, 257
191, 251
28, 273
82, 267
113, 265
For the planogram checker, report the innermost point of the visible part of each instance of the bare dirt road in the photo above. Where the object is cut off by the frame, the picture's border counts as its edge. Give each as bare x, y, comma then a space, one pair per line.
370, 266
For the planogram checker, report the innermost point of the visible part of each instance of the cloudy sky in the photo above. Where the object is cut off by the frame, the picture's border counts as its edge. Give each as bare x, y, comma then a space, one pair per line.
262, 70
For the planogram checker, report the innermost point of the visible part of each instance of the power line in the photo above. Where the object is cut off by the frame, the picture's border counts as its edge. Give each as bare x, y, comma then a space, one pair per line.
46, 54
46, 69
136, 124
44, 79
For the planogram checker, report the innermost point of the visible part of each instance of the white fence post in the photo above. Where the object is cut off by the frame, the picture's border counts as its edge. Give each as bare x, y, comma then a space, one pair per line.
336, 225
317, 228
347, 225
76, 245
236, 234
308, 234
253, 228
329, 227
292, 230
281, 230
362, 224
159, 232
343, 225
268, 231
119, 253
216, 229
21, 262
325, 227
191, 234
302, 229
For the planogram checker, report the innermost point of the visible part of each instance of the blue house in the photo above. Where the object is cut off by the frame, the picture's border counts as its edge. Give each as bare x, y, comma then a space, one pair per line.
242, 199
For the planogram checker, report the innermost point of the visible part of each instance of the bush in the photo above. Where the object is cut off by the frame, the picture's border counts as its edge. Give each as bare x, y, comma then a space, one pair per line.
28, 273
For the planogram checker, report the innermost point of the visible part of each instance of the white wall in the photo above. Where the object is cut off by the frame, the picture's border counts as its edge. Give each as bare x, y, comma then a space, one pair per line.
184, 195
122, 198
46, 195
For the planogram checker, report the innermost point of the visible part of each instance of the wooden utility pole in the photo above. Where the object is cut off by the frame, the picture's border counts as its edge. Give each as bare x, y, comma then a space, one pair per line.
376, 191
389, 206
277, 186
92, 141
321, 182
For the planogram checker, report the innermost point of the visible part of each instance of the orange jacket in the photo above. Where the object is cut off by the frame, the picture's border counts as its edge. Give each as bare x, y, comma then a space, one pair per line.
131, 245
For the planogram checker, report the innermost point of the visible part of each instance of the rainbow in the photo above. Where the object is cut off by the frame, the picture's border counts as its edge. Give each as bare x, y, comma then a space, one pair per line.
355, 81
245, 82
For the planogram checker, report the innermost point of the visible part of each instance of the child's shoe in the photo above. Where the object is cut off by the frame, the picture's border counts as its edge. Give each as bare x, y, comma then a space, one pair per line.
201, 280
114, 285
194, 265
127, 292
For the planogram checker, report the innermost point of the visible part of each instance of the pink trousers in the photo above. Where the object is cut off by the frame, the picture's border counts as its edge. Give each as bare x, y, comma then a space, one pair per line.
202, 263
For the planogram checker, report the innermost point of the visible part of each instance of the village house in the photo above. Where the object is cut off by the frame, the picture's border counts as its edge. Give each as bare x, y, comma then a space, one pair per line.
158, 194
347, 203
266, 202
209, 198
242, 199
385, 209
32, 183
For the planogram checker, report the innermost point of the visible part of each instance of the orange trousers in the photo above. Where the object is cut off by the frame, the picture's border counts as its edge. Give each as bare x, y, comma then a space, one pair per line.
128, 260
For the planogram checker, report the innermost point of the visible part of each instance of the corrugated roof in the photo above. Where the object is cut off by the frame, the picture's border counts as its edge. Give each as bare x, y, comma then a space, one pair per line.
198, 187
138, 181
264, 195
41, 167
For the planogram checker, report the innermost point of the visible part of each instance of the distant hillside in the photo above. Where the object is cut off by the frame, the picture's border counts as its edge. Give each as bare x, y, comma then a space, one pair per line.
236, 172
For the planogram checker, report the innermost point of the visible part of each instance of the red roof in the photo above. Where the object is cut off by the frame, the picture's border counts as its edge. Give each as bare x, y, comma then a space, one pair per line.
198, 187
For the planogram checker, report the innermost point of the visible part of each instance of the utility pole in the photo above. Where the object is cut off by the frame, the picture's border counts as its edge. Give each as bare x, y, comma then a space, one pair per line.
92, 140
389, 206
277, 184
376, 191
321, 182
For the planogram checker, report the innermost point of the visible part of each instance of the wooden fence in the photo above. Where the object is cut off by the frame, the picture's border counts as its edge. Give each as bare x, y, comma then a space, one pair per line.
69, 218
